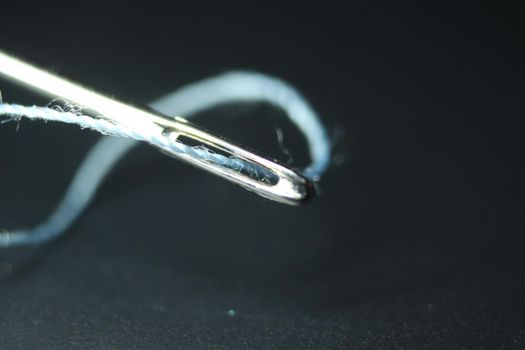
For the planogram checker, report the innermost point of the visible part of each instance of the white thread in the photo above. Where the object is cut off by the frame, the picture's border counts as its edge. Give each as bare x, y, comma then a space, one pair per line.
187, 101
152, 135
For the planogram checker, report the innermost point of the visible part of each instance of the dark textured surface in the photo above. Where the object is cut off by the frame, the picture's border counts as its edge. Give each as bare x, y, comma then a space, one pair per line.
416, 242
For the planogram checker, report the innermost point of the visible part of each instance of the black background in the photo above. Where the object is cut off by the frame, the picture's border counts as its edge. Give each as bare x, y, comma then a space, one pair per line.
416, 241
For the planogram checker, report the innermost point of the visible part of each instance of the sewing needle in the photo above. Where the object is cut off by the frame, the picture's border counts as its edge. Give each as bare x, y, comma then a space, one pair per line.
287, 186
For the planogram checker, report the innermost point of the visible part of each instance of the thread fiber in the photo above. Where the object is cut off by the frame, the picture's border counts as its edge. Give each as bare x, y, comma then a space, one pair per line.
233, 87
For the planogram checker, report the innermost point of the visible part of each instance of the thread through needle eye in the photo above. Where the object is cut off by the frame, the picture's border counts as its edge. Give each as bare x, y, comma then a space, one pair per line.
173, 136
